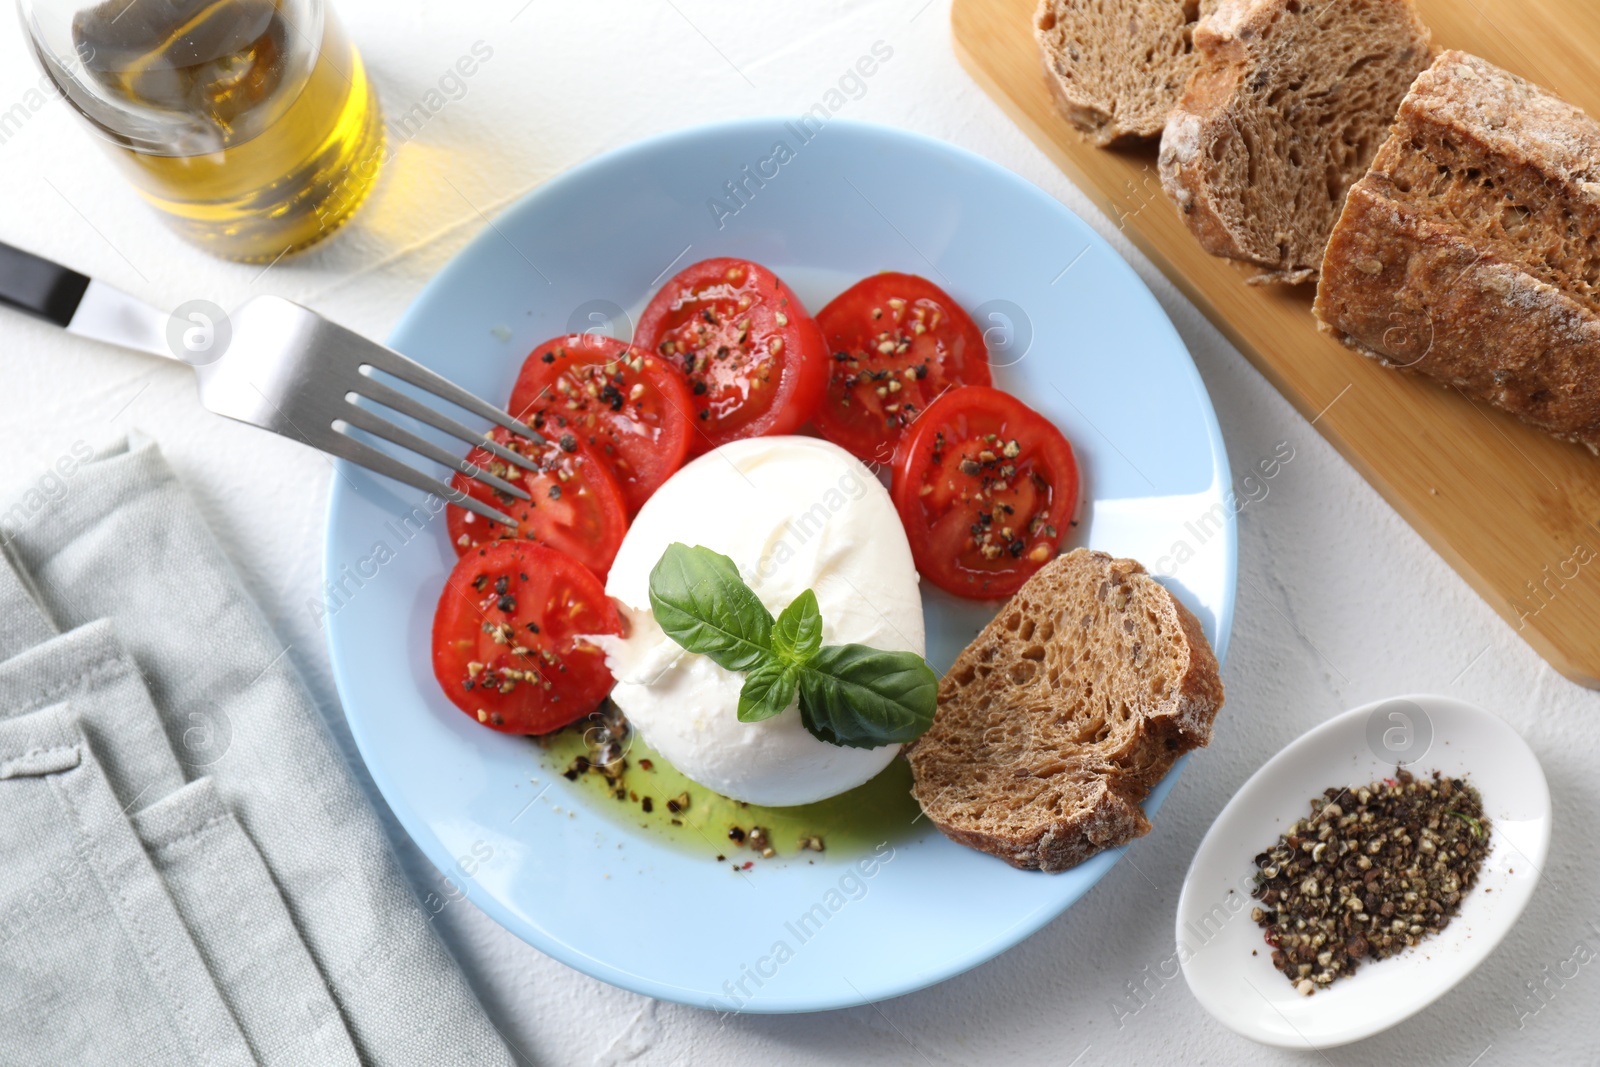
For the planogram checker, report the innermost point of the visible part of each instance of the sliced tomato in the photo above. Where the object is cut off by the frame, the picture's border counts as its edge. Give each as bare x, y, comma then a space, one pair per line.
508, 644
631, 408
575, 504
897, 341
986, 488
751, 353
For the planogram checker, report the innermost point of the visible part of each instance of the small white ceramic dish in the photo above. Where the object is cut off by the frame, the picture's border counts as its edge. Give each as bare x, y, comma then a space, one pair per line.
1216, 936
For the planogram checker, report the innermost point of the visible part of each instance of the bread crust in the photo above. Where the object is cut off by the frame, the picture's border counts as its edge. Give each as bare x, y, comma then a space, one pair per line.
1111, 821
1256, 152
1476, 287
1007, 729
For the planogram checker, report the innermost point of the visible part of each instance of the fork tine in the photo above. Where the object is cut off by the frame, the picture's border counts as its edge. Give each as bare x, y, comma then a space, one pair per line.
381, 393
378, 426
344, 446
414, 373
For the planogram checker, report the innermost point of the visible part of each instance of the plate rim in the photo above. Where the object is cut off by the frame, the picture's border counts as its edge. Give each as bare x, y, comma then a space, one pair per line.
417, 827
1308, 739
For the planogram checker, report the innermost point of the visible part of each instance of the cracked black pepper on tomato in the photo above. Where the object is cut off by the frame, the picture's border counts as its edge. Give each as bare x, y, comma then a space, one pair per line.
986, 488
752, 355
628, 406
507, 637
895, 342
574, 505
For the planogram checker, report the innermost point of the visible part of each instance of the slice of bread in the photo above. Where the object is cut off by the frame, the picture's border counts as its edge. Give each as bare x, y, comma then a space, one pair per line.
1291, 101
1116, 67
1063, 713
1471, 252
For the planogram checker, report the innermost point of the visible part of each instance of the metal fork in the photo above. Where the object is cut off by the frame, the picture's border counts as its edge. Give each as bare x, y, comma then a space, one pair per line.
283, 368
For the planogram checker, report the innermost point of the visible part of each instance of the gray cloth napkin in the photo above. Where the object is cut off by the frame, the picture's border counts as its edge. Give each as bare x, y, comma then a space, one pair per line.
98, 965
128, 546
22, 624
89, 668
223, 893
239, 923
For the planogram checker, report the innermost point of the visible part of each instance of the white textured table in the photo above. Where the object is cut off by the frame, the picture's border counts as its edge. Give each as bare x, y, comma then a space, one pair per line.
1339, 602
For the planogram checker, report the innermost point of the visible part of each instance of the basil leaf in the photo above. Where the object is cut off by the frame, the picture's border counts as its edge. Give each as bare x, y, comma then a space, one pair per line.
850, 695
767, 691
861, 697
797, 635
700, 601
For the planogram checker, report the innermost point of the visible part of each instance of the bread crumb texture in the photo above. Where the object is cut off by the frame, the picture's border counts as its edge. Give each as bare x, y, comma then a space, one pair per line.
1471, 251
1116, 67
1063, 713
1288, 104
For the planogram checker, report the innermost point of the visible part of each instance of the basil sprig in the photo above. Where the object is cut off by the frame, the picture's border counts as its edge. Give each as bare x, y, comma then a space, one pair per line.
850, 695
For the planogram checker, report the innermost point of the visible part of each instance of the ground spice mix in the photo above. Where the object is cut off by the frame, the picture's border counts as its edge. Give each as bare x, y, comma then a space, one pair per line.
1372, 871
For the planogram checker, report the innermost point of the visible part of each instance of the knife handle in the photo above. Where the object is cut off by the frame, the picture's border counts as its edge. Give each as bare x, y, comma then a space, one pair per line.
38, 286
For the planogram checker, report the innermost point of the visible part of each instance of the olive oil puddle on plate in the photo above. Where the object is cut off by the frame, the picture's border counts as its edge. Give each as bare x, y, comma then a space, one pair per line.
631, 785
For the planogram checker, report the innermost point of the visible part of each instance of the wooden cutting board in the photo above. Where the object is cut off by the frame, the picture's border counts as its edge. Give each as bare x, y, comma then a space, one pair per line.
1513, 511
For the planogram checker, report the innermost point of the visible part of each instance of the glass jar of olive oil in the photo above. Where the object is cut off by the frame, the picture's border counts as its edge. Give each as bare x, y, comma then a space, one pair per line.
250, 125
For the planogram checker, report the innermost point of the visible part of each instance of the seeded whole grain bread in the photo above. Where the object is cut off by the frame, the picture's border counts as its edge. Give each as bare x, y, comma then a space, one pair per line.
1116, 67
1290, 102
1471, 252
1063, 713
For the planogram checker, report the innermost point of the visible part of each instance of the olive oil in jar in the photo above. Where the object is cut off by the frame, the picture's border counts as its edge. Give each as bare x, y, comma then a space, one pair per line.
250, 125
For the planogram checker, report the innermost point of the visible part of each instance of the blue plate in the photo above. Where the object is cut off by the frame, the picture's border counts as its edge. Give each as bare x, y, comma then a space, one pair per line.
1073, 332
